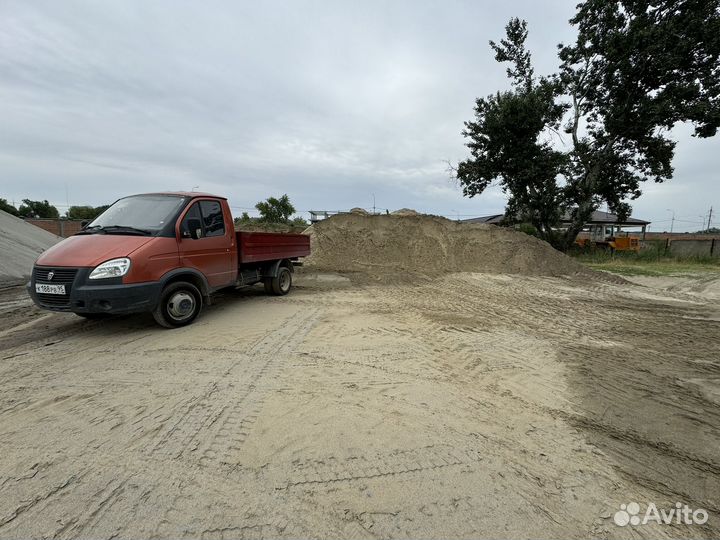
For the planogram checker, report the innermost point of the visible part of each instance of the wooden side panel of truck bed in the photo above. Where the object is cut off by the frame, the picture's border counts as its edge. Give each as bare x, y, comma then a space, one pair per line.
256, 247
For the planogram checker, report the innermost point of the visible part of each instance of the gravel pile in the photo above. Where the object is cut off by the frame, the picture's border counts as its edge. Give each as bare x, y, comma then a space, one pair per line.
20, 245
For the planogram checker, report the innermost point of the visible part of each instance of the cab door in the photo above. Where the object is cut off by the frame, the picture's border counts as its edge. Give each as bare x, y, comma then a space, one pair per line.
209, 248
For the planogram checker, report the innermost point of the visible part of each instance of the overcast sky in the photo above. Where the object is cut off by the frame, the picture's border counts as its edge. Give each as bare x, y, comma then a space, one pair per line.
329, 102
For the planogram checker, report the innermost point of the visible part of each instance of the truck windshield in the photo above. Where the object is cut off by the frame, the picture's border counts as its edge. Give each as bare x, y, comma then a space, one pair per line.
141, 214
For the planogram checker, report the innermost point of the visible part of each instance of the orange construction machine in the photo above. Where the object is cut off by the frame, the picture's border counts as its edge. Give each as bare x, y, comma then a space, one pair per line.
606, 237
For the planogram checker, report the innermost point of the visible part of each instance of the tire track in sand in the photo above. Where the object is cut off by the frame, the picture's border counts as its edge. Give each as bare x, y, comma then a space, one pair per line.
213, 426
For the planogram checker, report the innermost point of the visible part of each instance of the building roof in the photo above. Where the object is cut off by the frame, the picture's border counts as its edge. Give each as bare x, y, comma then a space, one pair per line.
494, 219
606, 218
597, 218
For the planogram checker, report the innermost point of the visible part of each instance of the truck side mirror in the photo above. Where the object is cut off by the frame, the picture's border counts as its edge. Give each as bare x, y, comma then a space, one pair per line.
84, 223
192, 228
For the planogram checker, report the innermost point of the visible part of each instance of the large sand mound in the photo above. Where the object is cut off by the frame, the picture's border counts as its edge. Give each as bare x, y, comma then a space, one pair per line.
20, 245
387, 244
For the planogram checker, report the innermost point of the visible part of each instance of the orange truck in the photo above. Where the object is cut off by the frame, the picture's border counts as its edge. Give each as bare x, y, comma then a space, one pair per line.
164, 253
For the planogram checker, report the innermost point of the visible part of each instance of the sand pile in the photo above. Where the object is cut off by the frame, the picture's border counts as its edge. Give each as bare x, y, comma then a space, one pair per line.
430, 245
405, 212
20, 245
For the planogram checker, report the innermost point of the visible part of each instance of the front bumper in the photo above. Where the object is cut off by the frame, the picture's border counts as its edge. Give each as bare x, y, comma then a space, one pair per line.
109, 296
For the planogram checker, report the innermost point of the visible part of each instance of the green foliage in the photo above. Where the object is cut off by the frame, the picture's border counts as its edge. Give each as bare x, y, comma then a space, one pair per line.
652, 250
5, 206
37, 209
85, 212
275, 210
527, 228
43, 209
243, 219
299, 223
636, 69
650, 261
247, 223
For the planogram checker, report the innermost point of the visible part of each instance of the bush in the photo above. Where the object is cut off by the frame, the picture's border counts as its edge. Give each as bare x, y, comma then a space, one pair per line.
527, 228
5, 206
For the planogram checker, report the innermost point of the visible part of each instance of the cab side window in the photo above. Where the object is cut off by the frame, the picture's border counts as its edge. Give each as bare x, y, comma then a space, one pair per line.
212, 216
192, 214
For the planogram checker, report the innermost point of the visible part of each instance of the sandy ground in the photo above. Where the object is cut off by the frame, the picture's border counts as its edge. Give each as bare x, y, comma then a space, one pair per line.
474, 405
706, 285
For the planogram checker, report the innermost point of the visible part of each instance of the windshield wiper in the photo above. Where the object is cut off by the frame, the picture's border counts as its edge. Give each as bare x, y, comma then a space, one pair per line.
115, 229
91, 230
125, 229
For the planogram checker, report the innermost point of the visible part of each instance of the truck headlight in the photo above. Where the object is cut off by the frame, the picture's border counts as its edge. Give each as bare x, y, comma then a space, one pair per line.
111, 269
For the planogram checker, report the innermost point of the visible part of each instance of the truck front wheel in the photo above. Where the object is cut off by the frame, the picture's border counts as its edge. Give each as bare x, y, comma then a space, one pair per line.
280, 284
179, 305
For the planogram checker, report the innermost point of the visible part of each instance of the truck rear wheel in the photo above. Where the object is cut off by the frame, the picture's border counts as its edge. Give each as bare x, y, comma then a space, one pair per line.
180, 303
279, 285
268, 284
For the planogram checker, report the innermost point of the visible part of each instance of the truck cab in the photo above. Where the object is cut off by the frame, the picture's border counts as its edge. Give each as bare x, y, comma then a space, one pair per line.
164, 253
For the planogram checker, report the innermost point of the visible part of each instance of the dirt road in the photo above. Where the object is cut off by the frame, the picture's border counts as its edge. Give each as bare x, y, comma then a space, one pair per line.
470, 406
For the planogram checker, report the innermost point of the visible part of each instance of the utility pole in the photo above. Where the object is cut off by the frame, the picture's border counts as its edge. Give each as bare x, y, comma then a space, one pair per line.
672, 222
709, 219
373, 204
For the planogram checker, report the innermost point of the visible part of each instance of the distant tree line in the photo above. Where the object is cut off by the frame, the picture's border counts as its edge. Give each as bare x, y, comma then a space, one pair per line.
45, 210
273, 211
86, 212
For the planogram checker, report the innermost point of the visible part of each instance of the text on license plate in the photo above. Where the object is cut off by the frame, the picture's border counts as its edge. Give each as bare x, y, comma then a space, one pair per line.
49, 289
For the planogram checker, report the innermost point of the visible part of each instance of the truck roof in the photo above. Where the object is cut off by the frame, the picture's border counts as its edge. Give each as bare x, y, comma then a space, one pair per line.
182, 194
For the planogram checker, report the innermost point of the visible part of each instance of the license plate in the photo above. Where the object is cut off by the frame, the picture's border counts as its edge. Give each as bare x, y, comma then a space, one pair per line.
49, 289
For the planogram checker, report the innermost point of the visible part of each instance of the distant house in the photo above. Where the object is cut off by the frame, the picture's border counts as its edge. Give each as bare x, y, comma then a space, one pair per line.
495, 219
609, 223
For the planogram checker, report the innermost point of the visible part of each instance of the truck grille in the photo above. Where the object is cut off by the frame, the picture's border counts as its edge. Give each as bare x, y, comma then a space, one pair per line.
61, 276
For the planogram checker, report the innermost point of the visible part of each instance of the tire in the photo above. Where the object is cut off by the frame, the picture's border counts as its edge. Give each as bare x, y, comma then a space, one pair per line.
179, 305
267, 283
282, 283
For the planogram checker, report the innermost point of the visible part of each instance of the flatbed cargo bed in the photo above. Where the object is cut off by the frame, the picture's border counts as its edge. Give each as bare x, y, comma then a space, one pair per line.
254, 247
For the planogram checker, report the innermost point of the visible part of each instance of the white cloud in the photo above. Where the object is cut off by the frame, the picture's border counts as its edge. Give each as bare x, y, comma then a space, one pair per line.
329, 102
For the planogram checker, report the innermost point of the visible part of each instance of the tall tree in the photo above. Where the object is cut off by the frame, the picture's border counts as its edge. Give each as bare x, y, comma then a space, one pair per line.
636, 69
275, 210
509, 139
38, 209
